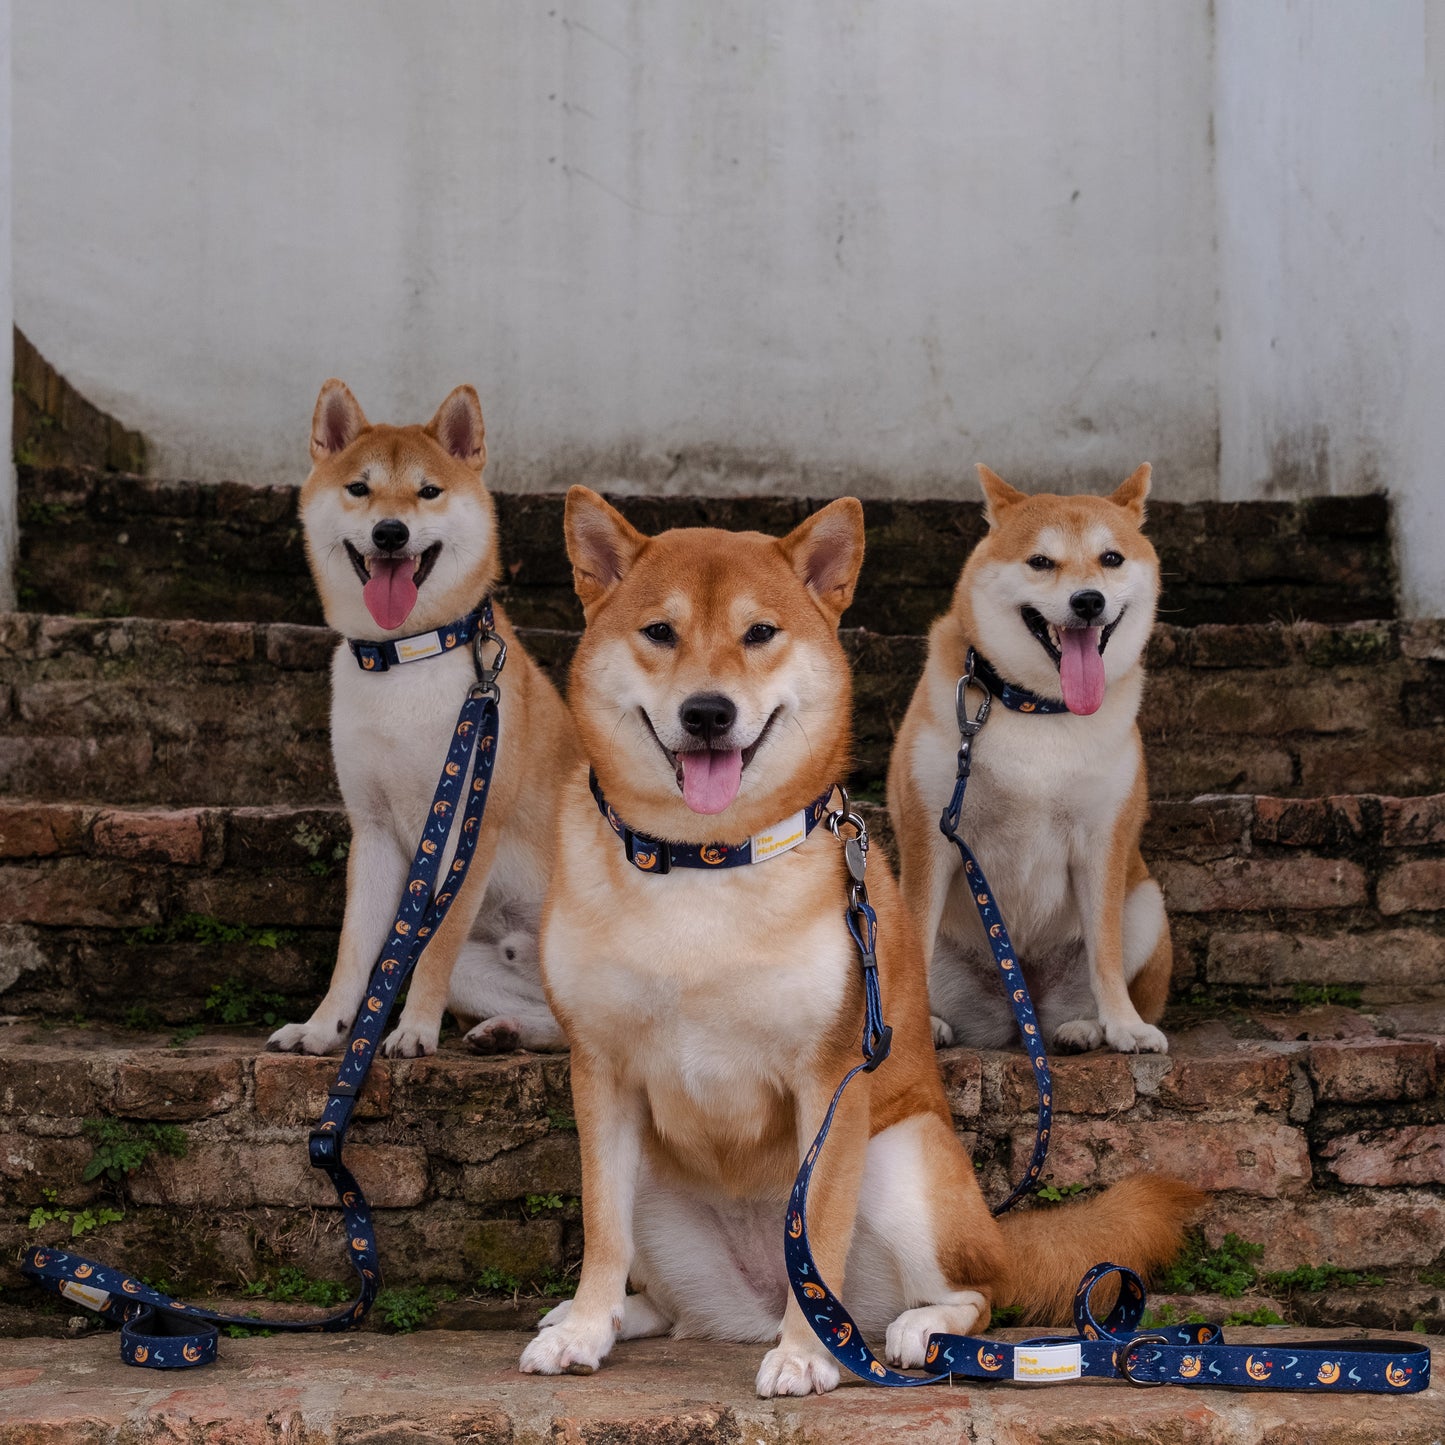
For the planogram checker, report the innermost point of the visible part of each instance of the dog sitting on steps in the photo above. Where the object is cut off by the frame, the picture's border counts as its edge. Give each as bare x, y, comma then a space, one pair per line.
695, 948
1057, 600
401, 535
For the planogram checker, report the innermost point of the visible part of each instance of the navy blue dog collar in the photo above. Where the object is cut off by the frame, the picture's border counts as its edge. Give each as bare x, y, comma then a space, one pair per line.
652, 855
382, 656
1016, 699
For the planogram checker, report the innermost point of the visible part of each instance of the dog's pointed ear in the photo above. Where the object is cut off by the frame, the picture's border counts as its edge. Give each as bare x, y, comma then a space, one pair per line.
1130, 495
459, 428
601, 543
998, 495
337, 421
826, 551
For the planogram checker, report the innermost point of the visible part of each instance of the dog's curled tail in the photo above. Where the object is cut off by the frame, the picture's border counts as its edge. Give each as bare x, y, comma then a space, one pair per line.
1138, 1222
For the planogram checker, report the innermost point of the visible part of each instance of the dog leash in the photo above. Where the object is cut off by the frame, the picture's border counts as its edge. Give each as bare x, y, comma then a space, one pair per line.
162, 1333
1112, 1349
995, 930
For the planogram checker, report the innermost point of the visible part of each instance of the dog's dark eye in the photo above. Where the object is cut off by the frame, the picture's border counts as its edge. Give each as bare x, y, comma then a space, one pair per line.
758, 633
359, 489
660, 633
1040, 563
428, 492
1112, 559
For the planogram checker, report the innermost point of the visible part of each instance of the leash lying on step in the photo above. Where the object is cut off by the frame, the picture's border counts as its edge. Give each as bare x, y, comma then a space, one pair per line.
162, 1333
1114, 1348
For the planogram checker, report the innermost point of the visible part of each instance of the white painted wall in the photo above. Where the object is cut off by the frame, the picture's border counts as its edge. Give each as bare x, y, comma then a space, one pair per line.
742, 244
1330, 126
9, 532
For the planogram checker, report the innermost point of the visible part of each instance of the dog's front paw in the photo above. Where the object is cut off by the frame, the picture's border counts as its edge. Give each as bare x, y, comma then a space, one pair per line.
1078, 1036
942, 1033
907, 1342
411, 1041
788, 1371
313, 1037
1136, 1037
495, 1036
568, 1346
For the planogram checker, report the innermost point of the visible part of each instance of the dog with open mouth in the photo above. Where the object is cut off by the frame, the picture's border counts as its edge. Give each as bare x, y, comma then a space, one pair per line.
401, 535
695, 947
1055, 605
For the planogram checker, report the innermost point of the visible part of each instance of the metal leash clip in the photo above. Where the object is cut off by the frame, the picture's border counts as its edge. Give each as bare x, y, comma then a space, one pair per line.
486, 683
969, 727
855, 849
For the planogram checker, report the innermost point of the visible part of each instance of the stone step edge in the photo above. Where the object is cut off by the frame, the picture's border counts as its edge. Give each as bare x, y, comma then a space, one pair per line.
436, 1386
294, 646
1222, 824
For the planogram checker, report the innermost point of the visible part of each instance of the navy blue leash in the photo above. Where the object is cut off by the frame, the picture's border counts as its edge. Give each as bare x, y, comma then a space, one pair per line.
994, 928
162, 1333
1116, 1348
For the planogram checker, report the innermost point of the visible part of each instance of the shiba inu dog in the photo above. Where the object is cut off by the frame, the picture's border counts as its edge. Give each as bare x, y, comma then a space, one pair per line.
712, 1009
1058, 599
401, 535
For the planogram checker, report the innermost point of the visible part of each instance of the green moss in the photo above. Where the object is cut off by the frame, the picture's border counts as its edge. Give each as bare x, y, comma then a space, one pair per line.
1312, 1278
1228, 1270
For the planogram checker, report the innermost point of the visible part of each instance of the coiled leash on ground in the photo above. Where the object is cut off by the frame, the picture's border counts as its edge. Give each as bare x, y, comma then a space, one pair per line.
1114, 1348
162, 1333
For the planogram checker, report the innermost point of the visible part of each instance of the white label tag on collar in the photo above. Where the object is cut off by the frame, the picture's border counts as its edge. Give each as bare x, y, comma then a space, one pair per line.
413, 649
786, 835
1046, 1363
85, 1294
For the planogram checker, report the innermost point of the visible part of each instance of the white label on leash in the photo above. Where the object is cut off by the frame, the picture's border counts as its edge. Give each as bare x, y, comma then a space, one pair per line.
413, 649
84, 1294
780, 839
1047, 1362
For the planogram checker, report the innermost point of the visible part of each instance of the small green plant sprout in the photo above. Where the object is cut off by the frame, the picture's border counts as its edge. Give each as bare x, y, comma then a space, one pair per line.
1261, 1316
559, 1285
233, 1002
1228, 1270
405, 1310
497, 1281
81, 1221
294, 1286
1318, 995
1420, 1327
1313, 1278
1055, 1192
185, 1034
538, 1203
120, 1148
564, 1122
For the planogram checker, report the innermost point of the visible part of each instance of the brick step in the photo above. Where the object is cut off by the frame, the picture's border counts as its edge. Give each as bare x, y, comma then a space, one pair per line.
114, 912
116, 545
1319, 1135
140, 710
433, 1387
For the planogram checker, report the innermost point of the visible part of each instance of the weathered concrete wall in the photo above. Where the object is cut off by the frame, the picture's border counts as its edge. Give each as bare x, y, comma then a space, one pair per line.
1330, 124
741, 246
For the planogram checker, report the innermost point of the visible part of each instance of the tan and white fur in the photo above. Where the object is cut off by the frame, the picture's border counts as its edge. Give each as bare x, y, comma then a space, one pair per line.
1056, 802
712, 1014
390, 730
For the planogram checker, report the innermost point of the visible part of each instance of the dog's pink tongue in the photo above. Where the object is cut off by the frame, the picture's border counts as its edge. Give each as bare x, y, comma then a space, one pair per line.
391, 594
1081, 669
710, 780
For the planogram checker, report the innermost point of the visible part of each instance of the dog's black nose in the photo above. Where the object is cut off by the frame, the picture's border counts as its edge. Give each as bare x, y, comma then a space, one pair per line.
706, 714
391, 534
1087, 604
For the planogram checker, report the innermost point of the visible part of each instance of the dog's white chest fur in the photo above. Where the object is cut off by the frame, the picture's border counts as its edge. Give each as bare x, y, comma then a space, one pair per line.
390, 733
713, 977
1043, 800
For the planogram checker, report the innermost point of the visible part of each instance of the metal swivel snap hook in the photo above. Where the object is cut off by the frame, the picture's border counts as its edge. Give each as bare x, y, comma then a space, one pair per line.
486, 683
855, 848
